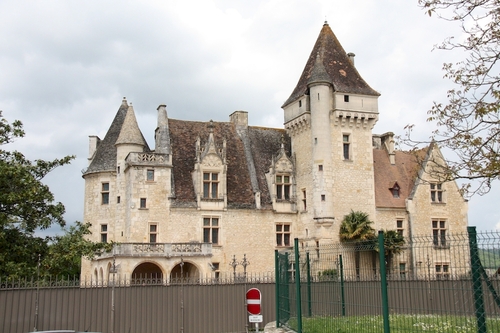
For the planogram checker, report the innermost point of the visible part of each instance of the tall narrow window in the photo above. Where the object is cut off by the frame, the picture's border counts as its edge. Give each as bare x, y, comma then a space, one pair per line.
104, 233
346, 144
436, 193
216, 269
304, 200
150, 175
105, 193
399, 227
211, 230
283, 187
210, 185
402, 270
282, 234
153, 233
439, 233
143, 203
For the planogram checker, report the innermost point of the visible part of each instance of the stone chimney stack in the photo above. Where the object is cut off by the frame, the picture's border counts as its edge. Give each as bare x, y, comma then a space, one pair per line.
388, 144
351, 57
240, 119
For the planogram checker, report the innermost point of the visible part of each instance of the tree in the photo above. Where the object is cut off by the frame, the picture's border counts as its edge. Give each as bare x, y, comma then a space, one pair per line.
393, 244
469, 122
26, 204
65, 252
356, 230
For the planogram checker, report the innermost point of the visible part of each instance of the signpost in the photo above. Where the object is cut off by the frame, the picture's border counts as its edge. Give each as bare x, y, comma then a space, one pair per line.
253, 307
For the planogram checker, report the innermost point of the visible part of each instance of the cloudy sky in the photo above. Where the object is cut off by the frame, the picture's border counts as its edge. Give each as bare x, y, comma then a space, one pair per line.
66, 65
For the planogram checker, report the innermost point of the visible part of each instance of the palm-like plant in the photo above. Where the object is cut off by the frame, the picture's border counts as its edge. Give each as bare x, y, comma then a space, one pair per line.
393, 244
356, 229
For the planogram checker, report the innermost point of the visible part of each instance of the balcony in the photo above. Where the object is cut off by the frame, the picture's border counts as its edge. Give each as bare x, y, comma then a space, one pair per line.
164, 250
148, 159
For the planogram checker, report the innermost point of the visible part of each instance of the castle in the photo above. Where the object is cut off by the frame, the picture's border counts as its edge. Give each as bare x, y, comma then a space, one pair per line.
211, 193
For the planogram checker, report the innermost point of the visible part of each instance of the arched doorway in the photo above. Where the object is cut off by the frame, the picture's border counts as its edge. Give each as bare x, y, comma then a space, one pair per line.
185, 272
147, 273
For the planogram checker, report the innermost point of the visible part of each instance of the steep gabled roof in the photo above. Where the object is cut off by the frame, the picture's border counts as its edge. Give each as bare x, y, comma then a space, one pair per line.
340, 70
404, 173
264, 143
105, 155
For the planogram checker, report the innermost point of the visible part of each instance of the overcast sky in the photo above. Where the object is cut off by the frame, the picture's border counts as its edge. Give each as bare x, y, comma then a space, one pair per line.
66, 65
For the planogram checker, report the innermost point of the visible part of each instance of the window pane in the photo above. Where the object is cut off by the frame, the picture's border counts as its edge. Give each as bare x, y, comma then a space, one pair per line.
287, 179
206, 176
214, 190
152, 227
287, 239
206, 187
215, 222
206, 235
279, 192
215, 176
104, 227
105, 186
278, 227
434, 224
441, 224
345, 138
287, 192
278, 239
151, 175
105, 198
215, 236
278, 179
104, 238
152, 238
206, 221
287, 227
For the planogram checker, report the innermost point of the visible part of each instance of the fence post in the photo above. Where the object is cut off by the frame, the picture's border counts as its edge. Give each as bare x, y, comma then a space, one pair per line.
342, 295
297, 285
476, 280
309, 302
277, 287
383, 282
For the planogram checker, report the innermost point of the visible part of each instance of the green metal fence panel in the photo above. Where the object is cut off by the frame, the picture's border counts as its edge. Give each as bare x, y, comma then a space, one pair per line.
433, 284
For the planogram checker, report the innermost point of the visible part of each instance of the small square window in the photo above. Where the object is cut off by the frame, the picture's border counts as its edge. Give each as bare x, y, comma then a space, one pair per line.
320, 167
150, 175
323, 197
346, 98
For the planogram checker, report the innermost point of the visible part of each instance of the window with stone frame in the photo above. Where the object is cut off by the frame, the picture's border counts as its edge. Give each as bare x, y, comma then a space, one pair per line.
399, 227
143, 203
402, 271
442, 271
211, 230
104, 233
439, 233
283, 234
210, 185
283, 187
437, 193
153, 233
346, 146
150, 175
105, 193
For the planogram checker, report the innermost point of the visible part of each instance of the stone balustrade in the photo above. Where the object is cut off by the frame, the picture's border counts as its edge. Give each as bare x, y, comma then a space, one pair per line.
166, 250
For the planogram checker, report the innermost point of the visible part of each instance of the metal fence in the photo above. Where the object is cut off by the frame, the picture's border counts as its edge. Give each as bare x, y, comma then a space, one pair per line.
443, 283
145, 304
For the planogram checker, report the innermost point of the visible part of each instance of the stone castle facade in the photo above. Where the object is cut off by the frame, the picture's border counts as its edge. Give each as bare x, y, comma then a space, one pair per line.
212, 192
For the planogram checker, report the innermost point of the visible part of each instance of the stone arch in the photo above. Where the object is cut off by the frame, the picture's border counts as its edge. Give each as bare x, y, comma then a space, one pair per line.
185, 271
147, 273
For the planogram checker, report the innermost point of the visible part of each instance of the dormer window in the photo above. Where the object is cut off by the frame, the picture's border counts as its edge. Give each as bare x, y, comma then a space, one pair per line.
283, 187
395, 190
210, 185
346, 98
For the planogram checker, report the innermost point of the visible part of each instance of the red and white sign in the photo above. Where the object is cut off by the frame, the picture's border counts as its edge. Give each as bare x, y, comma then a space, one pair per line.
253, 301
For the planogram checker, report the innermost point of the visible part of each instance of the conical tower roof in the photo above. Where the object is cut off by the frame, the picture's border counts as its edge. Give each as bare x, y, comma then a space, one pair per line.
130, 132
105, 154
336, 68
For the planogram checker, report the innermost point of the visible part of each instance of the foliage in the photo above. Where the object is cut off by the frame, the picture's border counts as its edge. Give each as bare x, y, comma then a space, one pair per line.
469, 122
393, 244
65, 253
26, 204
356, 228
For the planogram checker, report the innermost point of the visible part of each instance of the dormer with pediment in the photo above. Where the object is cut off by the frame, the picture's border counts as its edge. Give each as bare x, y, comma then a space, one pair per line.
282, 184
209, 175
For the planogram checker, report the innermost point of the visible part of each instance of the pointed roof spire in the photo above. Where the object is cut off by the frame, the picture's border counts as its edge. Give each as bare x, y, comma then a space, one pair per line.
130, 132
338, 68
162, 135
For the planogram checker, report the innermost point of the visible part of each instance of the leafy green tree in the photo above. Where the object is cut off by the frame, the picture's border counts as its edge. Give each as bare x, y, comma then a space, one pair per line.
26, 204
469, 122
65, 252
394, 244
356, 229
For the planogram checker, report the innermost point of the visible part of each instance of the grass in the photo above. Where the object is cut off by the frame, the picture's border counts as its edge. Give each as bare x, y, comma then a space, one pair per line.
398, 323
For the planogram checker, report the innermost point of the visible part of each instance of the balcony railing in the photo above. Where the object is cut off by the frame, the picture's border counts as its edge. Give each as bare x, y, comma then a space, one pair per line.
147, 159
166, 250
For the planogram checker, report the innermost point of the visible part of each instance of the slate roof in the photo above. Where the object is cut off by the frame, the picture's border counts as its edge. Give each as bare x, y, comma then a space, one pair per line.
340, 71
105, 154
264, 143
404, 172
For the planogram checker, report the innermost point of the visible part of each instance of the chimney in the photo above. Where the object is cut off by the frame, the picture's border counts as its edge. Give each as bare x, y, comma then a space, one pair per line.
240, 119
93, 143
388, 143
351, 57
